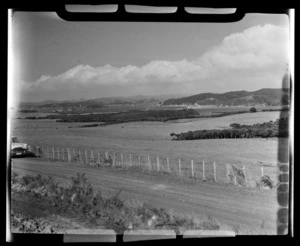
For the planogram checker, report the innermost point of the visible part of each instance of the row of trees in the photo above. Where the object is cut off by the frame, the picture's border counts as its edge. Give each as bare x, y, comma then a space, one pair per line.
279, 128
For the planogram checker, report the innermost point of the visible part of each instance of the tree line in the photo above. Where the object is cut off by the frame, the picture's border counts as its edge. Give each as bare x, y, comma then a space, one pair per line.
270, 129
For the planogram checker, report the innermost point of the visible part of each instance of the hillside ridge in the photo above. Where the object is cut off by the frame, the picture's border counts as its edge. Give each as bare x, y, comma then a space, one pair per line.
265, 96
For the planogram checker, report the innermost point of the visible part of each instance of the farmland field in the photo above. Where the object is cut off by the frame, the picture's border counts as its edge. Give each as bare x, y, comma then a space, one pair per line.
153, 138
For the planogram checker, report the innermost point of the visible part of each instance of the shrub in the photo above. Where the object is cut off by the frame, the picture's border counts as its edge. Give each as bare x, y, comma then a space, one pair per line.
210, 224
236, 175
235, 125
81, 188
252, 110
27, 179
265, 182
114, 201
77, 198
38, 181
14, 177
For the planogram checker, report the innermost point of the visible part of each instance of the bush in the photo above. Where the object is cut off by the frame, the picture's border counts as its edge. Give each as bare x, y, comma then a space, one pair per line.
265, 182
235, 125
32, 182
14, 177
236, 176
210, 224
82, 189
252, 110
27, 179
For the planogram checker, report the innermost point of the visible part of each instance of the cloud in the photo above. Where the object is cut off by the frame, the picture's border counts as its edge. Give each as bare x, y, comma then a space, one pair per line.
258, 47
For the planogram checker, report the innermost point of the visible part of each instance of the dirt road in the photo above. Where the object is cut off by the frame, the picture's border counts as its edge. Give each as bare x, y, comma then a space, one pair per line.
249, 210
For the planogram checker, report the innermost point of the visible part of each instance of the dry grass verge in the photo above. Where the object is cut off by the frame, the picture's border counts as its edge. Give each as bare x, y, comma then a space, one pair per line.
81, 201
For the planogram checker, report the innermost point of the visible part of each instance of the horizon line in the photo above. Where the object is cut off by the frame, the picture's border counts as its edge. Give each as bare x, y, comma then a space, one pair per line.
139, 95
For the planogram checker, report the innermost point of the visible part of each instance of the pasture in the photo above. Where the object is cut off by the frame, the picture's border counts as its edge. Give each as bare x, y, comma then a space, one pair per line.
153, 138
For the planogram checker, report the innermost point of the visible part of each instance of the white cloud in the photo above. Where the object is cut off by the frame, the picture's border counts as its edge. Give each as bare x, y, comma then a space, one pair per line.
258, 47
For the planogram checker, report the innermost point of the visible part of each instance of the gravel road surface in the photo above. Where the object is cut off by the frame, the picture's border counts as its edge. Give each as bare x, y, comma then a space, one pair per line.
253, 211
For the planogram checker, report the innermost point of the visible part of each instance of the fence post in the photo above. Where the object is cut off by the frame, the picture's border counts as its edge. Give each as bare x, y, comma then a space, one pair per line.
130, 163
139, 160
157, 163
244, 171
262, 171
168, 164
114, 159
215, 172
149, 163
86, 159
192, 166
48, 154
121, 159
69, 157
92, 155
53, 152
179, 166
106, 155
63, 154
98, 157
203, 168
227, 173
57, 153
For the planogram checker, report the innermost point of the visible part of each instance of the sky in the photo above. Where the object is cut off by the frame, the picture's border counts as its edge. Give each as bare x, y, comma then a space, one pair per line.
55, 59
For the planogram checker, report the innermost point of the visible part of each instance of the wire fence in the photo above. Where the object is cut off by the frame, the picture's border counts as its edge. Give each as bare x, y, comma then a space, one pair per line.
205, 170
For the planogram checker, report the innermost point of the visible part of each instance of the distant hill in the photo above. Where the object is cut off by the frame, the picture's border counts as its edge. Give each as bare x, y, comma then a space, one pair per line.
100, 102
37, 103
269, 97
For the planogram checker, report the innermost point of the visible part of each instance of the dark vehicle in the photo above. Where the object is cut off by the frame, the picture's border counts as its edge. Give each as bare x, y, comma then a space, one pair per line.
21, 152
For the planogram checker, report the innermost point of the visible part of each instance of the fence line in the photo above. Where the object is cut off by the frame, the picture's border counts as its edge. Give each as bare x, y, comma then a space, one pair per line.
203, 166
201, 169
